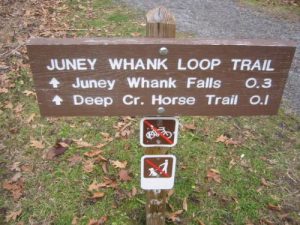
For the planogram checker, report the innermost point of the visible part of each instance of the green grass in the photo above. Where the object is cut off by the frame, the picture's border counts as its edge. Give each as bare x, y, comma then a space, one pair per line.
56, 192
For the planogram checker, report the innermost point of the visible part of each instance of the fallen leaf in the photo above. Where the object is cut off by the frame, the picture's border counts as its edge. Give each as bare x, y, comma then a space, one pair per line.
264, 182
227, 141
19, 108
133, 192
135, 34
118, 164
101, 145
105, 135
124, 176
249, 222
74, 220
174, 217
37, 144
75, 159
88, 166
274, 207
30, 118
200, 222
26, 168
101, 221
214, 175
190, 126
93, 153
29, 93
13, 215
222, 139
16, 188
95, 186
108, 183
104, 166
97, 195
265, 221
170, 193
100, 158
184, 204
15, 167
16, 177
58, 149
3, 90
82, 144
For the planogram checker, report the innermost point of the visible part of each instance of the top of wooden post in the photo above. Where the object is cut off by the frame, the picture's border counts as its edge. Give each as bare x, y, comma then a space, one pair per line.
160, 23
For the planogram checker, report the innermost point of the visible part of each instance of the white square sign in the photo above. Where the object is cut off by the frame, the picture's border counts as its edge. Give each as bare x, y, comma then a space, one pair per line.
157, 172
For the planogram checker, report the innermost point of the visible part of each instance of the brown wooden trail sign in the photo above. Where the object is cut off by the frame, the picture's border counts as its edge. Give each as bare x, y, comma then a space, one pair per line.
99, 77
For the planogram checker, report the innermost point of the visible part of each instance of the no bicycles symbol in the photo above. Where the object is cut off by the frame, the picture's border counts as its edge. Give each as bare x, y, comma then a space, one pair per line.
158, 132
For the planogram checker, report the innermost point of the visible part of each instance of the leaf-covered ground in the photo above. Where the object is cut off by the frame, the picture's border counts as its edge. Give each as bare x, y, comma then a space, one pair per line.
86, 170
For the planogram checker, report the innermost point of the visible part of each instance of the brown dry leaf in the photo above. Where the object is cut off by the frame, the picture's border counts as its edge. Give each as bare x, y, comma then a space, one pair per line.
37, 144
174, 216
29, 93
93, 222
3, 90
16, 188
124, 175
97, 195
74, 220
16, 177
26, 168
100, 158
101, 221
104, 166
30, 118
119, 164
135, 34
13, 215
267, 222
200, 222
8, 105
82, 144
222, 139
58, 149
214, 175
100, 145
264, 182
75, 159
274, 207
95, 186
133, 192
170, 193
227, 141
16, 167
190, 126
249, 222
108, 183
19, 108
93, 153
88, 166
184, 204
105, 135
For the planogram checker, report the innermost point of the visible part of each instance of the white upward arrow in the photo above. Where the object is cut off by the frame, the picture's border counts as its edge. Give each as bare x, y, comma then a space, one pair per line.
54, 82
57, 100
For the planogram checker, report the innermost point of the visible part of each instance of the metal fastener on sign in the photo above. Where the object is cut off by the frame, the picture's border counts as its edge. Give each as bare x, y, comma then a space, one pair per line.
161, 110
163, 51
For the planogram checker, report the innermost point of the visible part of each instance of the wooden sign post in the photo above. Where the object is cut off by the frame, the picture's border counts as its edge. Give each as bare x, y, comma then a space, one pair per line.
160, 23
159, 76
